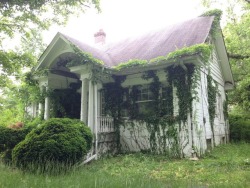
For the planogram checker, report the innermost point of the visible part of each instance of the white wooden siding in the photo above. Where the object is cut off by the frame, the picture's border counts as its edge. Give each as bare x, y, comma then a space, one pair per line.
215, 68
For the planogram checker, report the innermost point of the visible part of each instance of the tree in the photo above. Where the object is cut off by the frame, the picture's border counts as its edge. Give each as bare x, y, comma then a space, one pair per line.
25, 19
237, 40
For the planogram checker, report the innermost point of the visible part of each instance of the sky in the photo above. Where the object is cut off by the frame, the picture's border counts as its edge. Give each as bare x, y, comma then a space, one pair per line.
124, 18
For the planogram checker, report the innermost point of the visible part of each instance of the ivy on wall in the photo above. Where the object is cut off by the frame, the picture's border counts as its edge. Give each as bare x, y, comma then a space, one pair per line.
160, 120
113, 95
212, 89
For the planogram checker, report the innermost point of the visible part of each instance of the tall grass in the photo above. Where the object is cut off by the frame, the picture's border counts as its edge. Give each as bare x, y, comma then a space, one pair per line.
226, 166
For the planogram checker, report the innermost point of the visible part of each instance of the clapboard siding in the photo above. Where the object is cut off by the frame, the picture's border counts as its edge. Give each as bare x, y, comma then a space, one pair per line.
215, 68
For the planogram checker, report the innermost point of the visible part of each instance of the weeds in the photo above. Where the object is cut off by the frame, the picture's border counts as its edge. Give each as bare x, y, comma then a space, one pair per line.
226, 166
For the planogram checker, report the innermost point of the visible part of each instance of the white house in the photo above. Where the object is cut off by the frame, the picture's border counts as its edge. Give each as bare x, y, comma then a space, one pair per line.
160, 92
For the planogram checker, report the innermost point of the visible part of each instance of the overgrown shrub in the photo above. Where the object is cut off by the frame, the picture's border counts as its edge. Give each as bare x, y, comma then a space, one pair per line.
56, 144
239, 128
9, 138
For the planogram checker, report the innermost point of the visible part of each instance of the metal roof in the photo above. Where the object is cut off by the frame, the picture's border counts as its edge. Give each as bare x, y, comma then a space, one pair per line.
153, 44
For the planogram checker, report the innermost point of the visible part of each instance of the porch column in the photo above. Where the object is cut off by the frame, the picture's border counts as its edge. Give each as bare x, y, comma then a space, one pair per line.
41, 105
91, 106
95, 118
46, 107
40, 109
84, 107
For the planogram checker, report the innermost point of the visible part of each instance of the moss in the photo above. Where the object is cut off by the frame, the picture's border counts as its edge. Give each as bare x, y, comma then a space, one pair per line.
217, 13
130, 64
203, 49
199, 49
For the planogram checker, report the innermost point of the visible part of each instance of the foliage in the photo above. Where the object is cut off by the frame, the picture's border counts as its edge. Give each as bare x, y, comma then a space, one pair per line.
15, 100
226, 166
131, 64
182, 80
159, 117
239, 128
237, 39
62, 142
83, 58
113, 96
204, 50
11, 63
212, 92
23, 21
217, 17
17, 15
9, 138
27, 17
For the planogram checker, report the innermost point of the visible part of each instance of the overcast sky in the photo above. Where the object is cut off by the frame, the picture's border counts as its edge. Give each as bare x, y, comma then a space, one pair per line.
124, 18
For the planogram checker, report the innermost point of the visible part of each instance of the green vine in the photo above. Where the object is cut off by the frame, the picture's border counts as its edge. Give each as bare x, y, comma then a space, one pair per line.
225, 109
204, 50
212, 88
113, 94
83, 58
182, 80
217, 17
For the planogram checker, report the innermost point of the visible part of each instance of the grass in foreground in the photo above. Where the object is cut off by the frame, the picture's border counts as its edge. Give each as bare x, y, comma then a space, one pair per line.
226, 166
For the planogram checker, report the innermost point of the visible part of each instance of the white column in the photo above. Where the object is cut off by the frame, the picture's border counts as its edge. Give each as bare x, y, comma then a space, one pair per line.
40, 109
95, 118
84, 107
41, 105
47, 107
90, 106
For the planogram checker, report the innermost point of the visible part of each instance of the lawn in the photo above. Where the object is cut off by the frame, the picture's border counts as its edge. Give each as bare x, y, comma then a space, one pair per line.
226, 166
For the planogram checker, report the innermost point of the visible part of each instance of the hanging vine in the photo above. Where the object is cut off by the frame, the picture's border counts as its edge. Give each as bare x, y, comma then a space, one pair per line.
113, 94
212, 88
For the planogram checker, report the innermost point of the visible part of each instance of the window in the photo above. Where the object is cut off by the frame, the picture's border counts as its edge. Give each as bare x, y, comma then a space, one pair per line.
145, 99
139, 100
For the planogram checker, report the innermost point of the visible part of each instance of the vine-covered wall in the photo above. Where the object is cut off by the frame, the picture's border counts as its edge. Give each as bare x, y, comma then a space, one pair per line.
161, 130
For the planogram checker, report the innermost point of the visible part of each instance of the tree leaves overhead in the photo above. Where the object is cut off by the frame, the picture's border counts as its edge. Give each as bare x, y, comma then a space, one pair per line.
237, 40
25, 20
21, 15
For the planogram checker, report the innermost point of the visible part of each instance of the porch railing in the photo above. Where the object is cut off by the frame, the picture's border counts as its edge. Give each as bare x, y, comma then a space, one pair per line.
105, 124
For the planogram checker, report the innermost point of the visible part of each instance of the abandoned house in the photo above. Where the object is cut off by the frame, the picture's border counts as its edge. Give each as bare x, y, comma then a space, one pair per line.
161, 92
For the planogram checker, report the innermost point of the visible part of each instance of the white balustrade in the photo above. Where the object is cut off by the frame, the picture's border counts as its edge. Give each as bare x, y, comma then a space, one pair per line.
105, 124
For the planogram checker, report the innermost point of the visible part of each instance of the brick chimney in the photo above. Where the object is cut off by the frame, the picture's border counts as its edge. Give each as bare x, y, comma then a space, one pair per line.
100, 37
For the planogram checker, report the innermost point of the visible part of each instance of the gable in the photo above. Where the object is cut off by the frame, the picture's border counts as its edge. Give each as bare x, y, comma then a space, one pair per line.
57, 47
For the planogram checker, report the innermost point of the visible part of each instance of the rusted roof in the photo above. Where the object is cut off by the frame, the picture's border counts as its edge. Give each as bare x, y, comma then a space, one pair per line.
153, 44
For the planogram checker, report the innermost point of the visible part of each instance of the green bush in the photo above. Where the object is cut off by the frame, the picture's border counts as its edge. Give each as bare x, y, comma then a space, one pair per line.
239, 128
57, 142
9, 138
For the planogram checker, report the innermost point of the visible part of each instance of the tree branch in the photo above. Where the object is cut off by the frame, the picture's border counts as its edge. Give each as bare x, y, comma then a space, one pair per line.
238, 56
